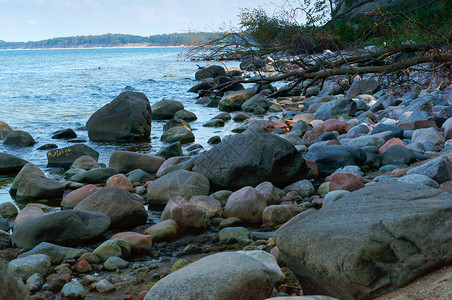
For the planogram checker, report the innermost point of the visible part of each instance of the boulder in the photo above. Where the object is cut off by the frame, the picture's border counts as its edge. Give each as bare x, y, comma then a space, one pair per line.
123, 208
65, 157
419, 179
27, 169
250, 159
234, 100
126, 161
139, 175
114, 263
12, 289
245, 204
171, 162
37, 187
172, 150
77, 196
19, 138
120, 181
233, 235
275, 215
164, 231
67, 133
8, 210
221, 276
345, 181
175, 122
336, 109
112, 248
364, 86
188, 216
4, 130
139, 243
269, 192
68, 227
165, 109
27, 213
438, 169
427, 135
57, 254
376, 239
304, 188
24, 267
211, 206
127, 118
98, 175
178, 134
255, 101
73, 290
178, 183
214, 123
398, 155
210, 72
186, 115
85, 162
10, 164
330, 158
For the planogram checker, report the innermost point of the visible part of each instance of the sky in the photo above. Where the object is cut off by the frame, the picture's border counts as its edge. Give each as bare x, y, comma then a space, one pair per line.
32, 20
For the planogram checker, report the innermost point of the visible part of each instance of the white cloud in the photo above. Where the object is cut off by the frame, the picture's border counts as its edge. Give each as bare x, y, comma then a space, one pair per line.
32, 22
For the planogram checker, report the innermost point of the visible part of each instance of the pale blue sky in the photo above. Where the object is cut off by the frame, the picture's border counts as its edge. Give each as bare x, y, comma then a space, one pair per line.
31, 20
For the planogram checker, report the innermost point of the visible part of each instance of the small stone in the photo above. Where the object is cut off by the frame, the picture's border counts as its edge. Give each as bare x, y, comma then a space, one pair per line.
36, 279
104, 286
113, 263
232, 235
179, 265
73, 290
83, 266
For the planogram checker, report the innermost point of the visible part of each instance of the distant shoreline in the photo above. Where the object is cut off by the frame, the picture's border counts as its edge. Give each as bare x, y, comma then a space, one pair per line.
129, 46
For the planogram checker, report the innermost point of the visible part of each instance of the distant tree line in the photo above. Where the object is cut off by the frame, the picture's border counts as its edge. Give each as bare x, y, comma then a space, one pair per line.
111, 40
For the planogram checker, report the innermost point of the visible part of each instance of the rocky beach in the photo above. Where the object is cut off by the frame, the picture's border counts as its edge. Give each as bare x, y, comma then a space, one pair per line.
341, 192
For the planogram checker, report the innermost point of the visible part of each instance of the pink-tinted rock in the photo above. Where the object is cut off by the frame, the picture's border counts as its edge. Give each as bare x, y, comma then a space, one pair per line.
139, 243
142, 294
27, 213
345, 181
310, 136
120, 181
413, 125
85, 162
314, 168
77, 196
336, 125
166, 230
172, 161
275, 252
275, 215
446, 186
268, 191
211, 206
391, 142
333, 142
83, 266
187, 215
245, 204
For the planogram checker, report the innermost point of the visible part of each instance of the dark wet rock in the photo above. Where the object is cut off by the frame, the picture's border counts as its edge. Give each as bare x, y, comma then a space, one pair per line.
398, 132
123, 208
139, 175
68, 228
229, 275
251, 159
47, 147
175, 122
98, 175
214, 140
126, 118
214, 123
165, 109
234, 100
8, 210
19, 138
67, 133
240, 117
330, 158
377, 239
65, 157
186, 115
210, 72
178, 183
126, 161
373, 157
178, 134
256, 101
199, 87
397, 155
27, 169
223, 116
36, 187
166, 230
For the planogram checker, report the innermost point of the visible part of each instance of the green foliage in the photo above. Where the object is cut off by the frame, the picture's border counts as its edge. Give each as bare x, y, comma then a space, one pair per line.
110, 40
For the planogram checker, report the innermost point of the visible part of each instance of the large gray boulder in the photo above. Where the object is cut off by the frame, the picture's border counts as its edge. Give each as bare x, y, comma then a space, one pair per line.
28, 168
24, 267
36, 187
210, 72
222, 276
251, 159
123, 208
66, 228
336, 109
375, 240
57, 254
19, 138
97, 175
65, 157
438, 169
11, 288
4, 130
10, 164
126, 118
234, 100
178, 183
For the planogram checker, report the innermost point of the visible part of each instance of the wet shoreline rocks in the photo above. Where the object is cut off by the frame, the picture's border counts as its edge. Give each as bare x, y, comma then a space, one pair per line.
361, 175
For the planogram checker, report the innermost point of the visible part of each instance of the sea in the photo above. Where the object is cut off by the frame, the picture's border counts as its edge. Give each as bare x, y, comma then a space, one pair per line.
43, 91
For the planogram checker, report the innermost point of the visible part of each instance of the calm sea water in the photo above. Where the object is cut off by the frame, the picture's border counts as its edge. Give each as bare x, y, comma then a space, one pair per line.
42, 91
